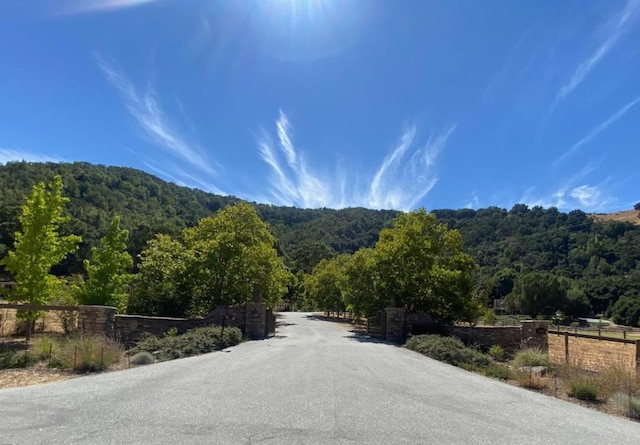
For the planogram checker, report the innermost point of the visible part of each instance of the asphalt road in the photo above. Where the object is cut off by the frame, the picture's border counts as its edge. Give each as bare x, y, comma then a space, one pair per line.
315, 382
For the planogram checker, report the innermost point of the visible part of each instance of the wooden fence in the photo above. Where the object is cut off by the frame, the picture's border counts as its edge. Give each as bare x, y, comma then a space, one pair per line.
56, 318
592, 352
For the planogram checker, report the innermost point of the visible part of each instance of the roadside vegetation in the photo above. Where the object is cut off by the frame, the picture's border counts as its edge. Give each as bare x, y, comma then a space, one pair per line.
76, 353
613, 389
194, 342
95, 353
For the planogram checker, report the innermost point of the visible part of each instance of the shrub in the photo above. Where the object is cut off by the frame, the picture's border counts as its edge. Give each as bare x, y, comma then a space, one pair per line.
44, 347
89, 353
627, 404
142, 358
531, 357
489, 318
497, 352
616, 377
497, 371
447, 349
193, 342
529, 379
17, 359
583, 388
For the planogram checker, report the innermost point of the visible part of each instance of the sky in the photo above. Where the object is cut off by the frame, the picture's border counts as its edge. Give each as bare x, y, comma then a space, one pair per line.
335, 103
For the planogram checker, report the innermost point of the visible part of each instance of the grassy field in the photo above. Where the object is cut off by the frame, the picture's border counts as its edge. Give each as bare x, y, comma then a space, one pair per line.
606, 333
632, 216
592, 354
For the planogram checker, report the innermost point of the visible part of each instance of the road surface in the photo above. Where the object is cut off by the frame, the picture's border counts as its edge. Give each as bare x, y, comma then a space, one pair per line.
314, 383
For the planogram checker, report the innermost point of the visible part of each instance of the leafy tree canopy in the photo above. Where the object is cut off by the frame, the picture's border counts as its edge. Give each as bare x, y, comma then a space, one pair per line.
108, 280
39, 246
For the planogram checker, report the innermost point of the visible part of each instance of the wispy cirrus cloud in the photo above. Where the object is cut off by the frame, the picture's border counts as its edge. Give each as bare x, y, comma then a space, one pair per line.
403, 178
597, 130
617, 26
474, 201
9, 155
96, 6
574, 193
402, 181
155, 125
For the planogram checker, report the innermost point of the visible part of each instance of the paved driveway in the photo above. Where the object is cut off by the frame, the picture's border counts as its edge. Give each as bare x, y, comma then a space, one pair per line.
314, 383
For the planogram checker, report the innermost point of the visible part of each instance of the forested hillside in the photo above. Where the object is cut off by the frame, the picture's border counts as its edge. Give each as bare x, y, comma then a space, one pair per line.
148, 205
537, 256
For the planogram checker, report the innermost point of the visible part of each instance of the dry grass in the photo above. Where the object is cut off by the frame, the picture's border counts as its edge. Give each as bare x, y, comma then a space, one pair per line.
50, 323
593, 354
627, 216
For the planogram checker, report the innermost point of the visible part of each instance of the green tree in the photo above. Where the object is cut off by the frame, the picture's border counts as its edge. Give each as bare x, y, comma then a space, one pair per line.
162, 286
232, 260
543, 293
421, 266
359, 284
39, 246
107, 271
626, 311
324, 286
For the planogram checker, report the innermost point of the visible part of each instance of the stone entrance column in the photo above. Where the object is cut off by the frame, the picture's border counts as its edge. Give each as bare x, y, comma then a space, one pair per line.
394, 326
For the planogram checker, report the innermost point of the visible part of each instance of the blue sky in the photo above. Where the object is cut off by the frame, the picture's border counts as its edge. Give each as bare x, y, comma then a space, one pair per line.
334, 103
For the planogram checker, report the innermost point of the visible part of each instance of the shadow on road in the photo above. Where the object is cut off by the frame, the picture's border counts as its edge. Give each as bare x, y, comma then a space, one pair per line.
364, 338
280, 323
279, 337
331, 319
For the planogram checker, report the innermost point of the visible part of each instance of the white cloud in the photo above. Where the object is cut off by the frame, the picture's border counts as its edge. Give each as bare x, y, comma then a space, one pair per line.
588, 196
405, 176
574, 193
9, 155
95, 6
616, 28
474, 201
154, 123
401, 183
598, 129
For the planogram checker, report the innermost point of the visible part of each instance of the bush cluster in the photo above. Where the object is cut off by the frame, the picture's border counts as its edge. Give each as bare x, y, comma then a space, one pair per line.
627, 404
531, 357
449, 350
16, 359
583, 388
193, 342
80, 353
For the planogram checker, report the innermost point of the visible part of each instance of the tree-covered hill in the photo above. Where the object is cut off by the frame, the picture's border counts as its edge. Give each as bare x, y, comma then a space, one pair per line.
598, 261
148, 205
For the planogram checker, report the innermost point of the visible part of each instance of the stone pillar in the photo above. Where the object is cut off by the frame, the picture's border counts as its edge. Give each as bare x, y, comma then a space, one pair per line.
394, 326
535, 334
98, 320
256, 320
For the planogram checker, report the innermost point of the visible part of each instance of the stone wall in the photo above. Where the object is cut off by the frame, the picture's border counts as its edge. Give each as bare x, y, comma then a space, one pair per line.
509, 337
97, 320
533, 333
256, 321
394, 326
250, 319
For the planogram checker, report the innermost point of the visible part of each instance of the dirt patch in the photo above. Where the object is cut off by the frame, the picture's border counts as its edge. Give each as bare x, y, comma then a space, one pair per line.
11, 378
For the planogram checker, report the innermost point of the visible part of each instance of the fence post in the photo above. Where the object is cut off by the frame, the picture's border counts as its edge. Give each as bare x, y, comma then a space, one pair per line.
566, 347
638, 361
